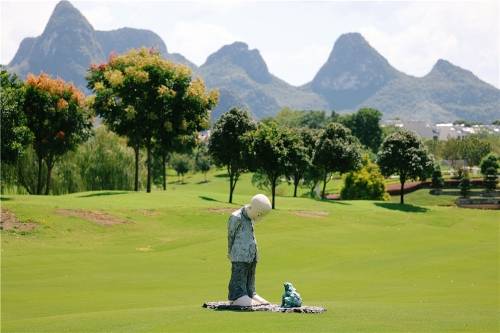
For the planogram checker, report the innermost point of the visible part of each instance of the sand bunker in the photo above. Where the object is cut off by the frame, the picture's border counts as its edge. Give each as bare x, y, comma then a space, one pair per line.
310, 213
92, 216
222, 210
9, 222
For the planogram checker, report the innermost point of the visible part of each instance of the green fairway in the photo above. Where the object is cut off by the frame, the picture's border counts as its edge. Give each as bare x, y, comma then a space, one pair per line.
376, 266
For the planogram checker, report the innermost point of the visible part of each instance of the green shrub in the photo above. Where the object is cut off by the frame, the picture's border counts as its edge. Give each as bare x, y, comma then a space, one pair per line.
465, 185
365, 184
490, 179
489, 169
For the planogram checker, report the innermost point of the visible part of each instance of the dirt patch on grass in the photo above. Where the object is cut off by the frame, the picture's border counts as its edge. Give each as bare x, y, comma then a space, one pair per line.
9, 222
92, 216
148, 212
222, 210
310, 213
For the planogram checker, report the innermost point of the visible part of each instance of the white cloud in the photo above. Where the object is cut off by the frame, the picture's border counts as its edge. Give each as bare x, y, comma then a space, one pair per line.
464, 33
100, 16
197, 40
291, 66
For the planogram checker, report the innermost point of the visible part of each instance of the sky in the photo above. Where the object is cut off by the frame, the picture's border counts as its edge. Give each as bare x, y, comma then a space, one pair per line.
294, 37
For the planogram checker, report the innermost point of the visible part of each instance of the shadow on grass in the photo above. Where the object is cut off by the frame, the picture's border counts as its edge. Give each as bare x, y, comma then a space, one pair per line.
5, 199
178, 182
208, 198
221, 175
402, 208
101, 194
338, 202
203, 182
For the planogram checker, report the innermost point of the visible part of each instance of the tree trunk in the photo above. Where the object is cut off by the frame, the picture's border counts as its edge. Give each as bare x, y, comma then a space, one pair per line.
402, 194
296, 180
273, 191
136, 177
39, 181
148, 186
164, 165
231, 188
324, 186
50, 164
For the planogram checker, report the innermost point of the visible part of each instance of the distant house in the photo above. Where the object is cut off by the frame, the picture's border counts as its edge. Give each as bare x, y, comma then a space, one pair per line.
421, 128
204, 136
444, 131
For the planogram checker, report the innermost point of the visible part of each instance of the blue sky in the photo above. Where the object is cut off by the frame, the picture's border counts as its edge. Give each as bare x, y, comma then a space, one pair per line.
294, 37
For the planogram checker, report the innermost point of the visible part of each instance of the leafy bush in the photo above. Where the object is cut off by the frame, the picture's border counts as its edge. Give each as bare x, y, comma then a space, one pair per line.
365, 184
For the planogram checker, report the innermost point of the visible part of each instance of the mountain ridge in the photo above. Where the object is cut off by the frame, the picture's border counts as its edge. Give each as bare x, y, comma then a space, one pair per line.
354, 75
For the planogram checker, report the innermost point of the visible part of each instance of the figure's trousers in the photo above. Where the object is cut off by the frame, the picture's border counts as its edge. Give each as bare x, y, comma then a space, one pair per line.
242, 280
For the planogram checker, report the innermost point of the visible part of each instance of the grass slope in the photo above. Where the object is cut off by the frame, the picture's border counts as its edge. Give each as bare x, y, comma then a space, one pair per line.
376, 266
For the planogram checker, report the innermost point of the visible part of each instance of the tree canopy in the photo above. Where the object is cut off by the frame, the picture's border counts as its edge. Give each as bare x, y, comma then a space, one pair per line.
228, 144
337, 150
365, 125
15, 132
150, 100
58, 118
269, 150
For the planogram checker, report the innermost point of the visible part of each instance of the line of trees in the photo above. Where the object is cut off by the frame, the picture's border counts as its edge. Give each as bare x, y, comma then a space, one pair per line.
155, 104
281, 149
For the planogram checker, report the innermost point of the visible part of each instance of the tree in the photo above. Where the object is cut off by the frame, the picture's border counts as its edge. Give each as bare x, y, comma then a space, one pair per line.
58, 118
181, 164
15, 134
103, 162
228, 144
474, 149
268, 152
465, 185
364, 184
365, 125
202, 161
437, 182
489, 169
300, 118
404, 154
336, 151
150, 100
299, 158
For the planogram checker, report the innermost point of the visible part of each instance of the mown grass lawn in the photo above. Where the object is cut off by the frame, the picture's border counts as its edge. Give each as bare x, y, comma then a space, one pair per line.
376, 266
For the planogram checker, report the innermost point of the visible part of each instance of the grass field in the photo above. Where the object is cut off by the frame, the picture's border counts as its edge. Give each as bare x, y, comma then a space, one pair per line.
376, 266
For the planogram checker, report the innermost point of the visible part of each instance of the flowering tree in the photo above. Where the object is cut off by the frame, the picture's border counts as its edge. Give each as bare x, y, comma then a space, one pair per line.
57, 117
149, 100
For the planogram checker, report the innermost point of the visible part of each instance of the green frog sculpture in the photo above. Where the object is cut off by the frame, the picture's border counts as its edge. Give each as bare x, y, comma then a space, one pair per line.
291, 298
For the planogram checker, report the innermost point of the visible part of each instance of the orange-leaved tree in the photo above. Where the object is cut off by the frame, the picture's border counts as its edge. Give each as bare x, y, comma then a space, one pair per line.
58, 118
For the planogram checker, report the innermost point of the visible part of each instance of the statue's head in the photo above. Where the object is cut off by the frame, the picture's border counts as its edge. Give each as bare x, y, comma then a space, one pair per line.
258, 207
288, 287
